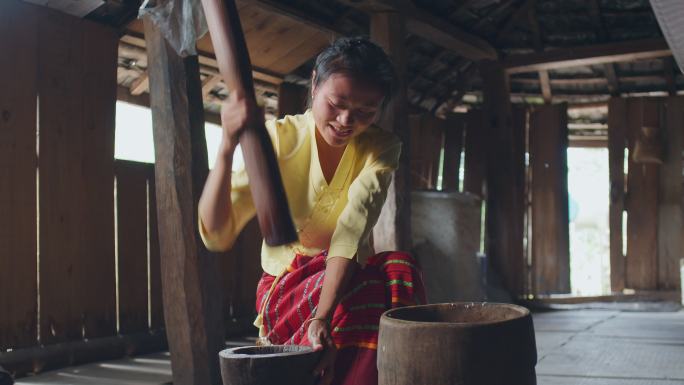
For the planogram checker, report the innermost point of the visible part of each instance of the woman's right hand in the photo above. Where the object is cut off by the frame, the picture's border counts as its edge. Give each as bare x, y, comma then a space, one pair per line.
237, 113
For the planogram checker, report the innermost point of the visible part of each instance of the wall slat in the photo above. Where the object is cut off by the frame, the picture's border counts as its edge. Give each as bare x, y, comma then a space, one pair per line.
475, 158
617, 125
642, 204
548, 140
131, 209
77, 90
18, 293
453, 144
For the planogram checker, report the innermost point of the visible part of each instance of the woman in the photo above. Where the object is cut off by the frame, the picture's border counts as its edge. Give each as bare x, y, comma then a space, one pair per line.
329, 289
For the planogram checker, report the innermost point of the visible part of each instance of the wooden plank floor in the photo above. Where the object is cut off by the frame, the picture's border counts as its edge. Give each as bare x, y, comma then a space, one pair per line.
578, 347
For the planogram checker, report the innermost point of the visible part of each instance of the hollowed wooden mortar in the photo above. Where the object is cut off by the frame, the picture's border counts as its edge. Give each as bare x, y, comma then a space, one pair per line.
457, 343
268, 365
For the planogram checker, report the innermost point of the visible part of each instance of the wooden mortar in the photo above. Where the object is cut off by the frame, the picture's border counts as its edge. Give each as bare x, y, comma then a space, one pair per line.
457, 343
269, 365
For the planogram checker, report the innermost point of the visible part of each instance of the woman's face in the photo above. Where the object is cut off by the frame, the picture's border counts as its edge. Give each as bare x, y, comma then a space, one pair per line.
344, 107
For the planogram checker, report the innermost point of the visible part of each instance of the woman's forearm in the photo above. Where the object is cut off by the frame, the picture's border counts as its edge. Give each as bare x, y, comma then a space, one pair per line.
338, 272
214, 204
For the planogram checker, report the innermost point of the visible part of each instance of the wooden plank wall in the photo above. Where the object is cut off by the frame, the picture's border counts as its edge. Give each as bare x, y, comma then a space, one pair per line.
18, 91
641, 269
427, 136
475, 154
670, 200
453, 146
548, 141
132, 256
617, 140
77, 88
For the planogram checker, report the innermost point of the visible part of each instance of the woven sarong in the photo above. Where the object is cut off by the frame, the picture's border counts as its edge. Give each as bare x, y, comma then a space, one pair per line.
389, 280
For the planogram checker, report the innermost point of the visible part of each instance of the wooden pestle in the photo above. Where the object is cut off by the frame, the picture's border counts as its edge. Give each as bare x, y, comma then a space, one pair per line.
235, 67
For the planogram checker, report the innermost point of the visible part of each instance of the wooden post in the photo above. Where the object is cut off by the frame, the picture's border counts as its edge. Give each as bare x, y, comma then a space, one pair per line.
393, 230
505, 179
617, 125
291, 99
191, 289
550, 222
453, 145
670, 202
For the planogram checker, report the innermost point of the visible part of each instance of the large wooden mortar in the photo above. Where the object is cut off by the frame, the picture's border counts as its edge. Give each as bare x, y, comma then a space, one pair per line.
269, 365
457, 343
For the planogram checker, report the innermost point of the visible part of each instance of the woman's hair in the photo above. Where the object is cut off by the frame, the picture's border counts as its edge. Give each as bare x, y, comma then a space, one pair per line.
360, 58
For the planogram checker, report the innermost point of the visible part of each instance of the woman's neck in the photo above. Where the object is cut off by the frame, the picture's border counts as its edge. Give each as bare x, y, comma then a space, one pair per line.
328, 156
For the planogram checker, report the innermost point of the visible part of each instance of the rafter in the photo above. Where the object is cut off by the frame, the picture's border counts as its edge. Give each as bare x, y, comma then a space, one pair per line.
587, 55
141, 84
515, 18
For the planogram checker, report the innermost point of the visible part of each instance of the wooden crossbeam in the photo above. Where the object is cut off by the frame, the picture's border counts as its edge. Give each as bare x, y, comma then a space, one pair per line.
141, 84
209, 83
430, 27
587, 55
207, 59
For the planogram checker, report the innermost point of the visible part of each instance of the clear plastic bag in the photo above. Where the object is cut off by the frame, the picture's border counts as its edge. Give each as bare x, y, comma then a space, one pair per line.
181, 22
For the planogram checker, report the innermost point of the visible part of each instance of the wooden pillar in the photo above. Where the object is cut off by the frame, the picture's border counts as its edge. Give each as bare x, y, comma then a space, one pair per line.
670, 202
453, 145
617, 125
191, 289
291, 99
505, 179
550, 218
393, 230
643, 180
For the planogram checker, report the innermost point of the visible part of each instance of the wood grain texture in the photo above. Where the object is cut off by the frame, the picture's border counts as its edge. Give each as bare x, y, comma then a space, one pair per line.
77, 94
156, 301
670, 222
475, 153
505, 179
453, 146
643, 180
291, 99
393, 229
550, 217
427, 133
18, 234
131, 210
192, 293
617, 141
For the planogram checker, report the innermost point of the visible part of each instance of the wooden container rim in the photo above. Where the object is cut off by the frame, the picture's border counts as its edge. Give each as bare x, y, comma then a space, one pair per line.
233, 354
387, 318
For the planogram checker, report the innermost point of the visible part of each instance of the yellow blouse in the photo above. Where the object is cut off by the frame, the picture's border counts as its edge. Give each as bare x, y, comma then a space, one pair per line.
338, 216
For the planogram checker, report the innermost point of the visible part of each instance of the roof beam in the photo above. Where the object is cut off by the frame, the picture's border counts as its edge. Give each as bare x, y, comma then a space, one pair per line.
432, 28
141, 84
292, 13
587, 55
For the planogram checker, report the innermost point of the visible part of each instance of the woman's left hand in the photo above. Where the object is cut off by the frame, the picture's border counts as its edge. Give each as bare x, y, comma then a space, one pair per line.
321, 339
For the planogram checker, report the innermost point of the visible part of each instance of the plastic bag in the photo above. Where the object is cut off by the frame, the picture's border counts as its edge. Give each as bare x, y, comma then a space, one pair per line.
181, 22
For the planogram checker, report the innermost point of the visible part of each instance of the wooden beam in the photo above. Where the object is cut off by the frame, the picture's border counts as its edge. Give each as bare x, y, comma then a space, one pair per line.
191, 287
433, 28
545, 86
587, 55
209, 60
209, 83
611, 77
393, 229
444, 34
522, 11
294, 14
123, 94
141, 84
669, 72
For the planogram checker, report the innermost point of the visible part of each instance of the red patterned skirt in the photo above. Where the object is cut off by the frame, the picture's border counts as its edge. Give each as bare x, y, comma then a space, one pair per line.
389, 280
